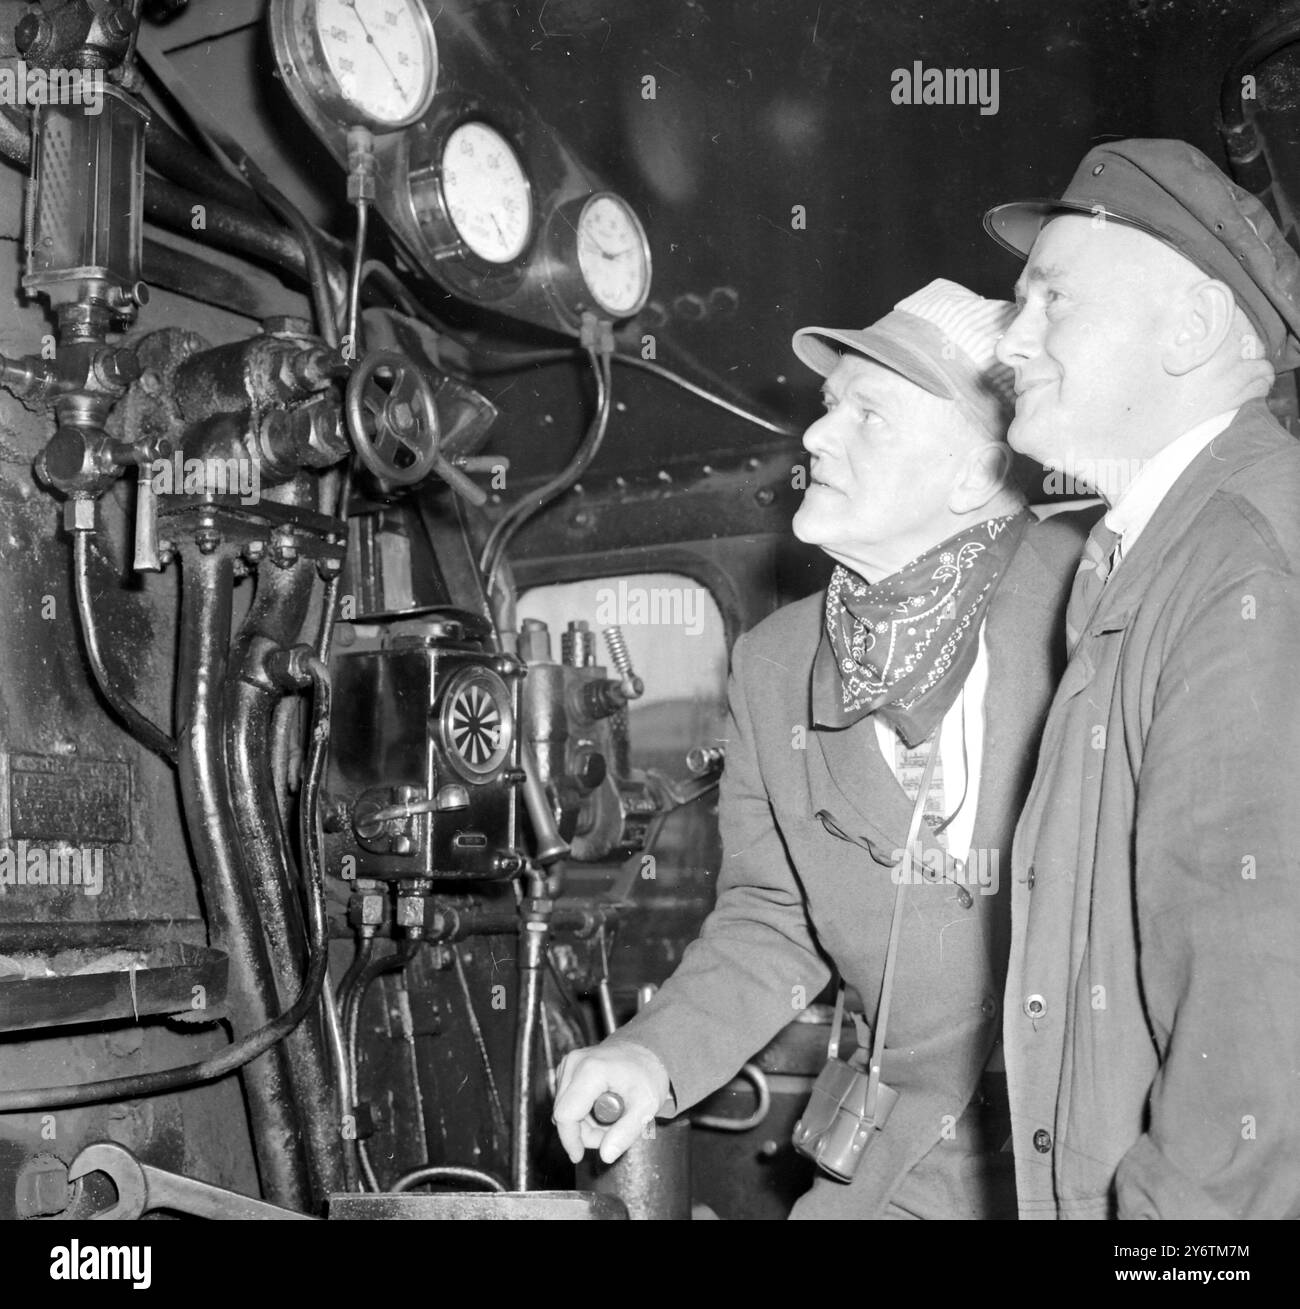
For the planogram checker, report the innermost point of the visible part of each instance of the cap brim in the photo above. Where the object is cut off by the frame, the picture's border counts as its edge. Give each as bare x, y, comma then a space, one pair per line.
1016, 225
812, 346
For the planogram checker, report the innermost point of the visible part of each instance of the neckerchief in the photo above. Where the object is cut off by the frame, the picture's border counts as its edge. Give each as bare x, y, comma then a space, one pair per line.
902, 647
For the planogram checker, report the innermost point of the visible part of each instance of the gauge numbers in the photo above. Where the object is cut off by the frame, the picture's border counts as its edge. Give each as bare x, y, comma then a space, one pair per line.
381, 53
487, 193
613, 255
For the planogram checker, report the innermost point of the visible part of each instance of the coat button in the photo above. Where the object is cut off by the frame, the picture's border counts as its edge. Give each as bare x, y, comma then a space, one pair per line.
1043, 1141
1035, 1006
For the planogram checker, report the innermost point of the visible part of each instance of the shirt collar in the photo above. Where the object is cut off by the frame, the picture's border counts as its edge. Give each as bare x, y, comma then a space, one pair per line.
1135, 508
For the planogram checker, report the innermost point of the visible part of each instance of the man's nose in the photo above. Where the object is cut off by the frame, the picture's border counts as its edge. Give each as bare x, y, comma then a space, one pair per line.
1016, 344
819, 435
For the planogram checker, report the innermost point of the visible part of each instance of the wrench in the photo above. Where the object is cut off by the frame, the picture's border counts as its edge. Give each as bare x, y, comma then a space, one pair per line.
141, 1187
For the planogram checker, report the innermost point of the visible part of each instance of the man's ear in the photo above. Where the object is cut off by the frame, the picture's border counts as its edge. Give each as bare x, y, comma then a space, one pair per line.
983, 475
1201, 323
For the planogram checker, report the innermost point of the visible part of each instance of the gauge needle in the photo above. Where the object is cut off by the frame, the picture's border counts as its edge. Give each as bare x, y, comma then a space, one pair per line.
610, 254
352, 4
500, 233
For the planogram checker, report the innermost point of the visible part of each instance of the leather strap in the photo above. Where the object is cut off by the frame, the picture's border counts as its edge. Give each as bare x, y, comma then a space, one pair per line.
896, 927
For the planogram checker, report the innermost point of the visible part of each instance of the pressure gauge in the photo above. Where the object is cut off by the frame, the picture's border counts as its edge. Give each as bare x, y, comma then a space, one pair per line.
372, 63
613, 255
472, 199
598, 258
486, 192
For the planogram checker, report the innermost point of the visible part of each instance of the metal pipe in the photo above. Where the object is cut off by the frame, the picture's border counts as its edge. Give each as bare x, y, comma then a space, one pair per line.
445, 1172
149, 734
354, 999
251, 697
753, 1074
206, 597
175, 157
534, 928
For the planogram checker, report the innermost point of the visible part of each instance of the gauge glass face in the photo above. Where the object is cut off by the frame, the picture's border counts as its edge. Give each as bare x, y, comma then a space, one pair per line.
382, 54
487, 193
612, 255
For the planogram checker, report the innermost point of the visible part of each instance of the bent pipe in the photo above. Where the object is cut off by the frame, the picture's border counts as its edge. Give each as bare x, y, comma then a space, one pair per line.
251, 697
207, 583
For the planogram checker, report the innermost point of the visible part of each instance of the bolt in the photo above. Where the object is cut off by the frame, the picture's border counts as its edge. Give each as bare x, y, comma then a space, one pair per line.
765, 496
207, 539
119, 23
255, 551
401, 416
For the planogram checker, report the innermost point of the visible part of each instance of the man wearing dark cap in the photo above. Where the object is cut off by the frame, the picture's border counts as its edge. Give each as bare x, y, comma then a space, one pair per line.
936, 645
1152, 1026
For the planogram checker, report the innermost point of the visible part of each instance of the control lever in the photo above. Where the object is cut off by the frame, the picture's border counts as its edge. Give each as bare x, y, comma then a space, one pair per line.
141, 1187
146, 523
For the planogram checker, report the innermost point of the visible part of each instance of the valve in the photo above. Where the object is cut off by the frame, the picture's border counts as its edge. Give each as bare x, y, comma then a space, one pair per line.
393, 423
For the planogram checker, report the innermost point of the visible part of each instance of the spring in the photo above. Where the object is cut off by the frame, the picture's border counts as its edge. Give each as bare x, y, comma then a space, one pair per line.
618, 650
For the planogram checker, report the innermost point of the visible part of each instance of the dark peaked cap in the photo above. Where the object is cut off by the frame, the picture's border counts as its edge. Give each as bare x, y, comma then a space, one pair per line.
1171, 191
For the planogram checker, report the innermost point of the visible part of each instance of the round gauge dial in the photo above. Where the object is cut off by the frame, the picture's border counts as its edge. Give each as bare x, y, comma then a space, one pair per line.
487, 193
373, 62
613, 255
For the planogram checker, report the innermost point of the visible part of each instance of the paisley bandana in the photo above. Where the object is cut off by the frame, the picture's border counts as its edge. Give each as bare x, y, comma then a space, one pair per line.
902, 647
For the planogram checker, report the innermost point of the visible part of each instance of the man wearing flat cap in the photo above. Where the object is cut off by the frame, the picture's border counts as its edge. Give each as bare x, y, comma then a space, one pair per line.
935, 648
1153, 996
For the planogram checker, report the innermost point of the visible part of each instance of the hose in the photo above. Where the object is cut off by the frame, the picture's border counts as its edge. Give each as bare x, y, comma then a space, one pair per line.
148, 733
138, 1085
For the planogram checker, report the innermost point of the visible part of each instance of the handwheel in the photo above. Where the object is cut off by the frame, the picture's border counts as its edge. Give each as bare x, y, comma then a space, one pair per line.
392, 418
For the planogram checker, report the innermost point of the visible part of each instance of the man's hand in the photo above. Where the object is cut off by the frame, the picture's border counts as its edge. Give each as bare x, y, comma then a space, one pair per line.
630, 1071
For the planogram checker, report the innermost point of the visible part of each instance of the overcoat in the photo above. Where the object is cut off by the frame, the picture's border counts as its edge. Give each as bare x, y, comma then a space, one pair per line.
813, 822
1153, 994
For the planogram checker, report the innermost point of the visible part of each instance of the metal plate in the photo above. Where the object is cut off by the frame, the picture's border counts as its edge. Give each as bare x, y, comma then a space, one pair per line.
479, 1205
59, 797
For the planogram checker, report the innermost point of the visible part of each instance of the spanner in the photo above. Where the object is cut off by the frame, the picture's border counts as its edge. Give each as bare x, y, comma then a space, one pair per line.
141, 1187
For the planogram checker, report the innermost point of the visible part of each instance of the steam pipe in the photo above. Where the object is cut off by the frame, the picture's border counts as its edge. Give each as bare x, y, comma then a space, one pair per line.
206, 597
175, 157
252, 694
